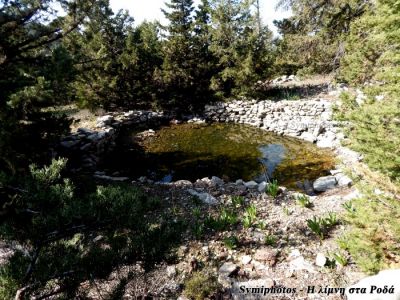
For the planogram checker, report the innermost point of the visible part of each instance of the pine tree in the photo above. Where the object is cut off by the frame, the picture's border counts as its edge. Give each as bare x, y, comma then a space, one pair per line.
98, 51
204, 60
35, 73
241, 45
178, 54
312, 37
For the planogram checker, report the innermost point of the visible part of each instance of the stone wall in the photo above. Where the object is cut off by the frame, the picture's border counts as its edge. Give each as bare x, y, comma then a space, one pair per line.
310, 120
86, 147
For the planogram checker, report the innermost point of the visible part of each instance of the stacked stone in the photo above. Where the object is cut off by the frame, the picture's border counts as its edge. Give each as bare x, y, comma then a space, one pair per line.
92, 144
308, 120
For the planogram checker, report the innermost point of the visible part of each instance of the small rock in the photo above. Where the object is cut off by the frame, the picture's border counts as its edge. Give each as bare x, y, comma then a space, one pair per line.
343, 180
262, 186
228, 269
251, 184
321, 260
326, 142
171, 271
225, 271
300, 263
246, 259
182, 183
323, 184
104, 120
266, 255
217, 181
294, 254
352, 195
204, 197
110, 178
309, 137
69, 144
335, 172
239, 182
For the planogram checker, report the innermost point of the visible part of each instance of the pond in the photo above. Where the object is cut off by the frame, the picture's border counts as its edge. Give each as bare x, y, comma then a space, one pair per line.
229, 151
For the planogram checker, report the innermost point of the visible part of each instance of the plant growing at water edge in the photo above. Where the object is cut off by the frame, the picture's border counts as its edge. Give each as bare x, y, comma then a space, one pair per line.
304, 201
272, 188
270, 240
225, 219
237, 201
250, 216
286, 210
262, 225
339, 258
231, 242
330, 220
315, 224
228, 217
320, 226
198, 230
349, 207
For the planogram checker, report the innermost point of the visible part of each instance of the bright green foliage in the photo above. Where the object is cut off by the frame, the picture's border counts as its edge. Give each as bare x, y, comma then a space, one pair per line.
237, 201
304, 201
250, 216
375, 130
321, 226
315, 225
379, 34
270, 240
72, 236
272, 188
373, 239
339, 258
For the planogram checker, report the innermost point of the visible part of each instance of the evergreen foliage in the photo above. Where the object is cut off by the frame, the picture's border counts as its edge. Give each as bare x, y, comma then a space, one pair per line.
68, 236
313, 37
240, 46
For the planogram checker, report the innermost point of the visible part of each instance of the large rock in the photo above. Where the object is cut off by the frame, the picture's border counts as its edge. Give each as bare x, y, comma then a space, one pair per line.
262, 186
69, 144
104, 120
373, 287
251, 184
225, 272
323, 184
204, 197
343, 180
309, 137
266, 255
217, 181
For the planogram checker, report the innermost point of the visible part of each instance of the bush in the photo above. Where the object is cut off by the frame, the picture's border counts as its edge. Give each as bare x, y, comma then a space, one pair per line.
69, 237
201, 285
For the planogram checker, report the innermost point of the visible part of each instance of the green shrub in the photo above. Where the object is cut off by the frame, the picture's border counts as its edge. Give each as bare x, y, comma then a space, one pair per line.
85, 235
201, 285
